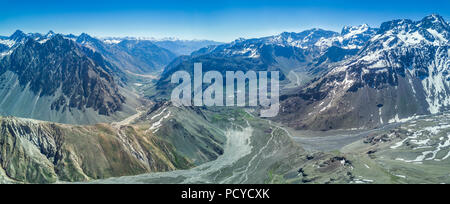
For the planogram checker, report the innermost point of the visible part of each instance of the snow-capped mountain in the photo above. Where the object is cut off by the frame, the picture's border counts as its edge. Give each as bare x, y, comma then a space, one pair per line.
313, 40
351, 37
7, 44
308, 53
305, 39
138, 56
402, 71
252, 48
312, 46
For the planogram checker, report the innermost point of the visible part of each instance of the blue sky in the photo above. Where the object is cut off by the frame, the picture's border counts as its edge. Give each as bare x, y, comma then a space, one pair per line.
223, 20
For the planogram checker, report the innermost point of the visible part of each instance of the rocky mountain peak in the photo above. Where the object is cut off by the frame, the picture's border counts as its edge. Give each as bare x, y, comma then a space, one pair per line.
396, 25
50, 34
18, 35
434, 22
84, 37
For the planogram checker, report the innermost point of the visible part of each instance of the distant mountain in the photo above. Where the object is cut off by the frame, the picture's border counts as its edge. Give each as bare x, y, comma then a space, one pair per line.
402, 71
184, 47
176, 46
53, 78
137, 56
286, 51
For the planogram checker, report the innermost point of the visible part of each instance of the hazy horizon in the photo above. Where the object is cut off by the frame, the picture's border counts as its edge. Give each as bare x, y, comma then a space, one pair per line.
222, 21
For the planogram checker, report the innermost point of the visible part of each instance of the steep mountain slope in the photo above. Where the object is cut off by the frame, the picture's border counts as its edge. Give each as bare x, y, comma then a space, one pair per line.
57, 80
160, 139
401, 72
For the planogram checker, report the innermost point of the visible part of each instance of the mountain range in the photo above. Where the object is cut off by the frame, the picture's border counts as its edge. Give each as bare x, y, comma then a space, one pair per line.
81, 108
177, 46
360, 78
73, 79
307, 53
401, 72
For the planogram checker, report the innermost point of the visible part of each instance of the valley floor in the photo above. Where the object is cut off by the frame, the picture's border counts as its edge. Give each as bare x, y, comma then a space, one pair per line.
262, 151
248, 155
413, 152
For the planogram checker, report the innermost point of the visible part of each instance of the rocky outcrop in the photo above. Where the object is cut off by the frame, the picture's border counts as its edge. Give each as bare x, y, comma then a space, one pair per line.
37, 152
